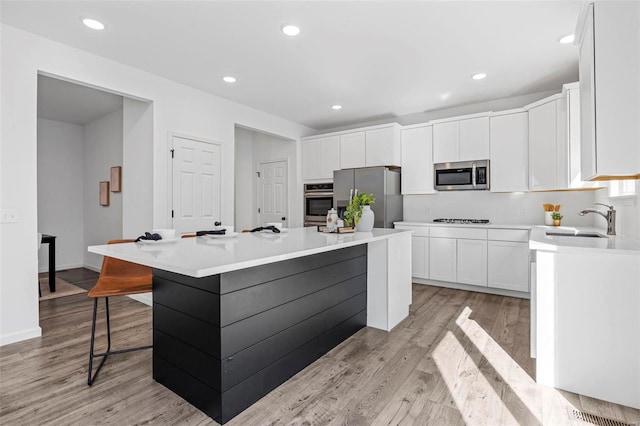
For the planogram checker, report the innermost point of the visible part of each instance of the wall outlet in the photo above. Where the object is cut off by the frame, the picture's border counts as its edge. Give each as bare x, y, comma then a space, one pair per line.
8, 215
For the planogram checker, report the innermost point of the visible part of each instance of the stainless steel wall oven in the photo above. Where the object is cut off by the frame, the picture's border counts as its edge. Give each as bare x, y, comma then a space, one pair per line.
318, 199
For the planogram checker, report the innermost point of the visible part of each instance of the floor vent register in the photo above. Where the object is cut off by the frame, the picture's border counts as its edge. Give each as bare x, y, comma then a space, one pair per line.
597, 420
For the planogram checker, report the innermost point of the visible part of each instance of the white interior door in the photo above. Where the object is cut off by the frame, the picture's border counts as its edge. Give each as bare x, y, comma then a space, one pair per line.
273, 190
196, 184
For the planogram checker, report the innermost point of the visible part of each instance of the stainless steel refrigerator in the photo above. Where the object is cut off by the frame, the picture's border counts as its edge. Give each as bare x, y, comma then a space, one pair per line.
382, 182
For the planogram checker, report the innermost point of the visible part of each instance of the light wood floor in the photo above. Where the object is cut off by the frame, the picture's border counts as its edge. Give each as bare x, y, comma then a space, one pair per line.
460, 358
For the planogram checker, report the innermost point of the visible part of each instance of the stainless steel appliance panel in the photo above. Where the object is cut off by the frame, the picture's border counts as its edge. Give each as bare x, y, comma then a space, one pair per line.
464, 175
383, 183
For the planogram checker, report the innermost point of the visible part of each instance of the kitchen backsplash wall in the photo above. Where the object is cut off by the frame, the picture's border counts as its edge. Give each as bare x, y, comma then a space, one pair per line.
627, 213
500, 208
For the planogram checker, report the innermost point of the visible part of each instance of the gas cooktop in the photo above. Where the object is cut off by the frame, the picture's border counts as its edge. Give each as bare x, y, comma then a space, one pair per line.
464, 221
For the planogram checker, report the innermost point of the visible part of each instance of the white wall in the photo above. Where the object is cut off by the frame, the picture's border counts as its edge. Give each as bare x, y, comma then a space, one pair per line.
253, 148
176, 108
102, 150
137, 167
244, 180
627, 213
499, 208
60, 186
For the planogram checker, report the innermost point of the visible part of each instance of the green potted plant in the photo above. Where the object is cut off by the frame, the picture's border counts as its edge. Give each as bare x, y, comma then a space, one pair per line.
557, 217
359, 205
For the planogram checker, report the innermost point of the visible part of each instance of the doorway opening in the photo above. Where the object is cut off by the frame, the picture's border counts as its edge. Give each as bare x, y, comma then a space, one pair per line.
84, 136
265, 186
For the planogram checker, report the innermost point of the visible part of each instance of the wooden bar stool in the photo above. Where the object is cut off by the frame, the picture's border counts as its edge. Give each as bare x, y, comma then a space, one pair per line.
117, 278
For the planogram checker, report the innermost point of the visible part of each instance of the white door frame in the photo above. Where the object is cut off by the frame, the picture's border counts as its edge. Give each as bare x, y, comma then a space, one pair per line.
173, 135
257, 197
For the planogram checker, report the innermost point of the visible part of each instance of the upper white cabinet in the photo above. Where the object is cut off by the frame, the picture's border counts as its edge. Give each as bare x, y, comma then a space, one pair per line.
474, 139
353, 150
417, 161
366, 147
379, 146
320, 157
383, 147
509, 151
572, 96
609, 66
548, 146
461, 140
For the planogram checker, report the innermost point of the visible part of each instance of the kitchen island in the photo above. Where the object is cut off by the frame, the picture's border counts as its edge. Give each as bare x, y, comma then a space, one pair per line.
585, 312
233, 318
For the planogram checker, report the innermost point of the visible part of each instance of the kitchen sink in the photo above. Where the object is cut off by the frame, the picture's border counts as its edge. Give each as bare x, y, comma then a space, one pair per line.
574, 234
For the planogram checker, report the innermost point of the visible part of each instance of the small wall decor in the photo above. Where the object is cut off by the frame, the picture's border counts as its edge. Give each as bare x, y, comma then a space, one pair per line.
104, 193
116, 179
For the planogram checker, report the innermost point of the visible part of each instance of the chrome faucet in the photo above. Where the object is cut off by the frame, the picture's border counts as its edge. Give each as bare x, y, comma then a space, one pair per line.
610, 216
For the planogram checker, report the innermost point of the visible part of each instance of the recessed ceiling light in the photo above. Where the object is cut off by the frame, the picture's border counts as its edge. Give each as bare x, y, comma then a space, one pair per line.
291, 30
479, 76
445, 96
229, 79
568, 39
93, 24
336, 107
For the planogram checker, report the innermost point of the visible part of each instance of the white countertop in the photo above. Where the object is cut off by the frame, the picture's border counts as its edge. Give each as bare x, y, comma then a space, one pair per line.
466, 225
615, 244
200, 257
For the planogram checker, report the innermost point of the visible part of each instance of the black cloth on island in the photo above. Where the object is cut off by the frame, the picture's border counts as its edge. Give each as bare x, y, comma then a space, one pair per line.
149, 236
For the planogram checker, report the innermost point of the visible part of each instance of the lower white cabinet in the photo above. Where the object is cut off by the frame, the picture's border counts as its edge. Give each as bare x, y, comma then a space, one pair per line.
420, 257
492, 258
442, 259
472, 262
509, 265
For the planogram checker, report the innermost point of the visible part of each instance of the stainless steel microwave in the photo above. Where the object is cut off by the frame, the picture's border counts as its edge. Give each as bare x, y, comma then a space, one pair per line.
463, 175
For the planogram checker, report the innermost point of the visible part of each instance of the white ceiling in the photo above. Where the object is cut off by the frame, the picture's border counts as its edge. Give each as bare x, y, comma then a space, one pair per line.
377, 58
71, 103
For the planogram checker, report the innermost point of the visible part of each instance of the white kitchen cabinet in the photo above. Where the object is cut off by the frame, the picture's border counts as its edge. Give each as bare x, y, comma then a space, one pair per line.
474, 139
461, 140
471, 265
446, 142
609, 65
508, 265
310, 151
417, 161
420, 257
320, 157
508, 259
353, 150
572, 95
548, 146
419, 250
370, 147
509, 152
383, 147
442, 259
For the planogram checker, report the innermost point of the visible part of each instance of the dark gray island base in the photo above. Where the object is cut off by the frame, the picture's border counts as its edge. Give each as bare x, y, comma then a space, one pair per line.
223, 342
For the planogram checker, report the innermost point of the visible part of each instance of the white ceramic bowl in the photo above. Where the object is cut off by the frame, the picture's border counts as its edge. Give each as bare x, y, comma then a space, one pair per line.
276, 224
165, 233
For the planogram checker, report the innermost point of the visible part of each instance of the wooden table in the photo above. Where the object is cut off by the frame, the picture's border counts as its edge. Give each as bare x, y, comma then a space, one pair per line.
51, 240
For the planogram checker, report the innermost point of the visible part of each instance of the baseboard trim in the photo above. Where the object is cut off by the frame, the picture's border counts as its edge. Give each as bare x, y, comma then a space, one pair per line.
19, 336
469, 287
91, 267
62, 267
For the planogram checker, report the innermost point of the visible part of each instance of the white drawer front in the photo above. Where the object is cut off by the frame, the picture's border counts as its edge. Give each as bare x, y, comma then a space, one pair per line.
466, 233
418, 231
518, 235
